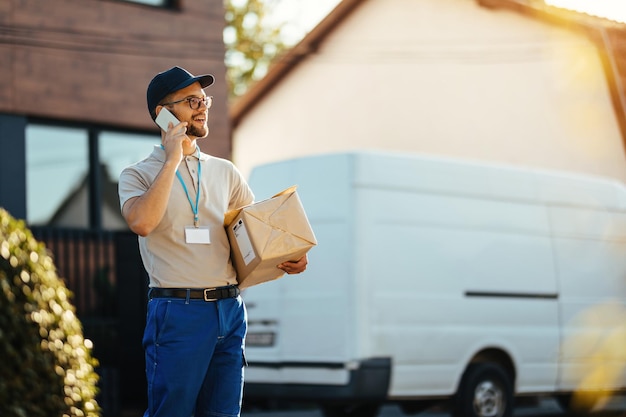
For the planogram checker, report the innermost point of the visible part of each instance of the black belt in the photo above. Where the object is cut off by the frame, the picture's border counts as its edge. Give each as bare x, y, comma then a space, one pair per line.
206, 294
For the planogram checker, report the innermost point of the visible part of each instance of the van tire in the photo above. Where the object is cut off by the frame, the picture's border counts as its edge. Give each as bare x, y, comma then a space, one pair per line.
351, 410
486, 390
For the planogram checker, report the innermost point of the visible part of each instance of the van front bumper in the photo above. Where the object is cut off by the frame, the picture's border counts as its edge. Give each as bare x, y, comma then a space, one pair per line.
363, 380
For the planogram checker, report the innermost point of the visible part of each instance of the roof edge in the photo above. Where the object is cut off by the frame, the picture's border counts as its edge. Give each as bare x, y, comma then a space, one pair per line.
587, 25
290, 59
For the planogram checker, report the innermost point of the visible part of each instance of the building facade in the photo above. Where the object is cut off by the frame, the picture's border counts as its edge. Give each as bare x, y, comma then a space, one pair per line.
73, 79
501, 81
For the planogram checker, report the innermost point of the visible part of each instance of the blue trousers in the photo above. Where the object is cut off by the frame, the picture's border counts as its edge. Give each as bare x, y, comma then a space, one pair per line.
195, 357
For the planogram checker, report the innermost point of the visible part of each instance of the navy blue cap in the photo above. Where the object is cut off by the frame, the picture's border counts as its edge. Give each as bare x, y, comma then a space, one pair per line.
167, 82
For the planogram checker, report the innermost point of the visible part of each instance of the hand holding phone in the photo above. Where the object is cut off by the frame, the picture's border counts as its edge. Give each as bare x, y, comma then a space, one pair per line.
164, 118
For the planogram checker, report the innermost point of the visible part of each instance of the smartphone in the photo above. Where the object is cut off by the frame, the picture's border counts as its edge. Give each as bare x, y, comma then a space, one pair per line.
164, 117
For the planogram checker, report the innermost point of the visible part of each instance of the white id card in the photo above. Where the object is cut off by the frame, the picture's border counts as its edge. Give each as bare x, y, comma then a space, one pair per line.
198, 235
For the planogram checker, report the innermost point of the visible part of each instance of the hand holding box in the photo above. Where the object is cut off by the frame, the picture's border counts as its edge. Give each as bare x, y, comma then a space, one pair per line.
265, 234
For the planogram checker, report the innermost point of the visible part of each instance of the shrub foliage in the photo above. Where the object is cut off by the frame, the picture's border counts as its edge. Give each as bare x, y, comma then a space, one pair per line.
47, 369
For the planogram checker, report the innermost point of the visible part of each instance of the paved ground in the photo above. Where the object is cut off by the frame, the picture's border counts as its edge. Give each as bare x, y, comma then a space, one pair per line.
546, 408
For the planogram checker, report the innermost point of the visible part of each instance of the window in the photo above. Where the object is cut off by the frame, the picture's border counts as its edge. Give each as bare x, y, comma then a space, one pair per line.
162, 3
63, 189
57, 165
116, 152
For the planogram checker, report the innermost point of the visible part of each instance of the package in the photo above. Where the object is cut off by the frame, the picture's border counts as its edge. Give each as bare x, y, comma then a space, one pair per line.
265, 234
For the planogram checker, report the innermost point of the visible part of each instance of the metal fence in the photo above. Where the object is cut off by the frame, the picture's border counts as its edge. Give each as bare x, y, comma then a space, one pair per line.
85, 261
103, 271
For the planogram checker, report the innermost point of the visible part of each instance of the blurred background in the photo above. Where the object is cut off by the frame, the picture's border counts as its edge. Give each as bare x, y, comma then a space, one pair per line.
526, 83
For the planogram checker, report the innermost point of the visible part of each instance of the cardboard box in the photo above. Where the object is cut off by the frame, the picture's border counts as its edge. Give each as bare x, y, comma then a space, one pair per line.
265, 234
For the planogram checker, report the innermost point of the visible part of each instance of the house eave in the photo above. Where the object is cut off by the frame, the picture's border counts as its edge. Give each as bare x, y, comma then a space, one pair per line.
290, 59
587, 25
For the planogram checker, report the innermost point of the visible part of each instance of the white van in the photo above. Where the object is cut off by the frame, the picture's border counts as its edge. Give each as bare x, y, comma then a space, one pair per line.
437, 279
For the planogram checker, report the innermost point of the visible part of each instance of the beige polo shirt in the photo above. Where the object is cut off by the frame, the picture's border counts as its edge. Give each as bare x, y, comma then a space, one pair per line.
170, 261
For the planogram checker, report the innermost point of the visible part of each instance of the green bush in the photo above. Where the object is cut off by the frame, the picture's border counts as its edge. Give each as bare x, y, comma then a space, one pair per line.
46, 367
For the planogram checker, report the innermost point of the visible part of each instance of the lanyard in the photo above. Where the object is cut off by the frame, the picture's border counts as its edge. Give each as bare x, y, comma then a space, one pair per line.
194, 208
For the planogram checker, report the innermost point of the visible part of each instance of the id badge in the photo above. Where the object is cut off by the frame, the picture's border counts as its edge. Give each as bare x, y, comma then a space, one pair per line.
197, 235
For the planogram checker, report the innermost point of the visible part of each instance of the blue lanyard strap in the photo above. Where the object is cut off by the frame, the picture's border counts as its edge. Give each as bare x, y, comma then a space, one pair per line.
194, 208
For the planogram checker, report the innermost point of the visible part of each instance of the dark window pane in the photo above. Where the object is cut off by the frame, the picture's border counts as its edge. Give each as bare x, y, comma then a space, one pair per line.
117, 151
57, 186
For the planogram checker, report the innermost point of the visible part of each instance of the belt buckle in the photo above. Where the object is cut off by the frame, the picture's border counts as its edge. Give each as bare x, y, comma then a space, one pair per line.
206, 296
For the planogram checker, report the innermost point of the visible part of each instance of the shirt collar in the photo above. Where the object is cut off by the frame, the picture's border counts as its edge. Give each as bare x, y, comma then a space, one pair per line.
159, 154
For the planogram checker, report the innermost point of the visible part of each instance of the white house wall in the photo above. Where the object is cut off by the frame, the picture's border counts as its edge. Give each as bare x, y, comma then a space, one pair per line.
443, 77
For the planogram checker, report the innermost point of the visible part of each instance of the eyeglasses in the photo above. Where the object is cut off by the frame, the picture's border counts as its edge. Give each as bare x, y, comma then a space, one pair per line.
194, 102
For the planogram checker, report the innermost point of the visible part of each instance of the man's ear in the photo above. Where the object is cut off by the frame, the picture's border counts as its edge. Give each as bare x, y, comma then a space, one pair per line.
157, 110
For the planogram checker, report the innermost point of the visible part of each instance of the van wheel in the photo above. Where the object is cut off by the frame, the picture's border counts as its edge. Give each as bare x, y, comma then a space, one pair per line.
486, 390
351, 410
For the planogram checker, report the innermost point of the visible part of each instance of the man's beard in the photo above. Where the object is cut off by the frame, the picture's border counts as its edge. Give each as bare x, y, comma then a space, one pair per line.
197, 132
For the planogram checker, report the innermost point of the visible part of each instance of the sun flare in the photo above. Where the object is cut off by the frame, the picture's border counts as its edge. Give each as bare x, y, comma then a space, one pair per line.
610, 9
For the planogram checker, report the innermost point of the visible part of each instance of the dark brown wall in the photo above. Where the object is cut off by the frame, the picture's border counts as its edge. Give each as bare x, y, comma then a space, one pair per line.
91, 60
